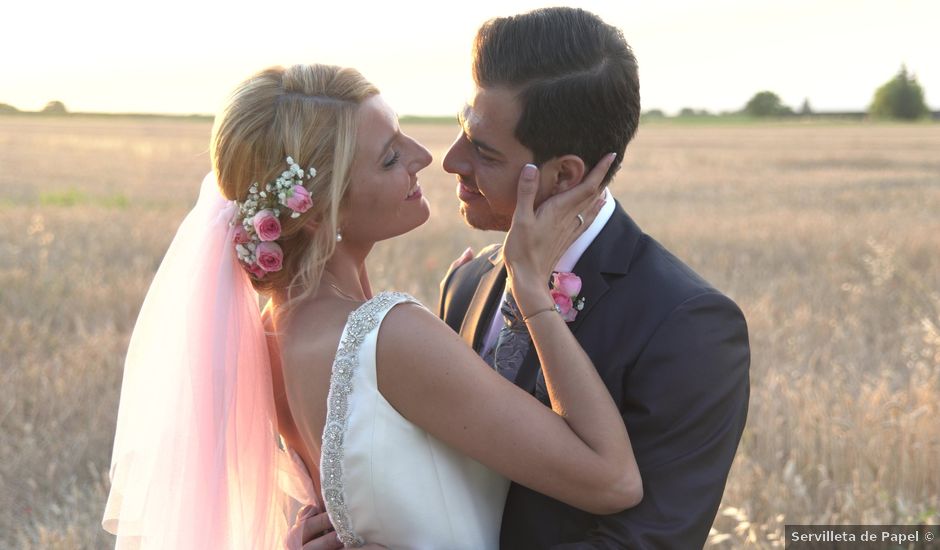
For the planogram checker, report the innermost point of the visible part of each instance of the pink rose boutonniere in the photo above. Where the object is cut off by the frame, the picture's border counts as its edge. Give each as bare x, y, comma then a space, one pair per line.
564, 291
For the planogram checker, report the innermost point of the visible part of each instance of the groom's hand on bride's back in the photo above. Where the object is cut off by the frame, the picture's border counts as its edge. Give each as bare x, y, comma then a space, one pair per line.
464, 258
316, 530
318, 533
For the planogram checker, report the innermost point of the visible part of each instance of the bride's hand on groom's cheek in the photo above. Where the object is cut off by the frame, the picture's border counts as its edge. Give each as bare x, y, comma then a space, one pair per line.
583, 198
540, 235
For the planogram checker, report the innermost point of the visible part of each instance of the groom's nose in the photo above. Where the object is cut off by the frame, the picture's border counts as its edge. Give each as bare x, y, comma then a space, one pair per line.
457, 160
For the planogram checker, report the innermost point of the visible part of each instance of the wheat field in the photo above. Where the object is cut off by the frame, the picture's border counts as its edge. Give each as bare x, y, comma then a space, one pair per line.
827, 235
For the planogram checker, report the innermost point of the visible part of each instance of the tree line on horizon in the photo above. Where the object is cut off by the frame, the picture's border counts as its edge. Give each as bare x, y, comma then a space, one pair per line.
901, 98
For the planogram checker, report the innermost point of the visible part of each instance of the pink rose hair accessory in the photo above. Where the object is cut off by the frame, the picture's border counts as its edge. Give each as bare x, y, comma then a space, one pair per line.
266, 225
256, 270
241, 235
298, 200
260, 213
269, 256
565, 288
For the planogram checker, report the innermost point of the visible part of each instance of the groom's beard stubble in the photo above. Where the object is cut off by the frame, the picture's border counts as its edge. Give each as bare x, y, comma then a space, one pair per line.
484, 221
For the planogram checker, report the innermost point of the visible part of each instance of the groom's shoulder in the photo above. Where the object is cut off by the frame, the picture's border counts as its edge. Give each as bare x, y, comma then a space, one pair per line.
459, 284
623, 248
470, 272
488, 253
657, 262
669, 282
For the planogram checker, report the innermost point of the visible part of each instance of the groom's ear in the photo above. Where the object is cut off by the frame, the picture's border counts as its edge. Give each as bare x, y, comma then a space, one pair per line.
567, 170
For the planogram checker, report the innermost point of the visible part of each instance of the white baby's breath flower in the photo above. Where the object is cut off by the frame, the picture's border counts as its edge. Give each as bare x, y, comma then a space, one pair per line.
270, 196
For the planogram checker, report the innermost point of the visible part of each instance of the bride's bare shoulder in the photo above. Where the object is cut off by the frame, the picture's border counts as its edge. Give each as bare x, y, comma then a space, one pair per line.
306, 341
411, 335
409, 320
310, 335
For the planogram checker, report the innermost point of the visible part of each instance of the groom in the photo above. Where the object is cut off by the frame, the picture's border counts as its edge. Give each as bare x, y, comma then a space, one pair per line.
558, 87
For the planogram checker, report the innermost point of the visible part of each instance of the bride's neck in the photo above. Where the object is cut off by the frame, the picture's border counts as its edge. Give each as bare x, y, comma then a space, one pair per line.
347, 271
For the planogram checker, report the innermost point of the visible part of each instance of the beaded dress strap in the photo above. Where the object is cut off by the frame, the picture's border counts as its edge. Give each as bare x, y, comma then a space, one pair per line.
362, 321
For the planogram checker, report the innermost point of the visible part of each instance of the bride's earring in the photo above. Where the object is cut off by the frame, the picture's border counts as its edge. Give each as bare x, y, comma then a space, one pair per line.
339, 237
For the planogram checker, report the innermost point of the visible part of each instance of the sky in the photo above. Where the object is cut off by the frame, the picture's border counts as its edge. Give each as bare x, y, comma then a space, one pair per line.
184, 57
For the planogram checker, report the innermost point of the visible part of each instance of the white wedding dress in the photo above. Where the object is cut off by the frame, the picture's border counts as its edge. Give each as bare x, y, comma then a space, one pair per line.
387, 481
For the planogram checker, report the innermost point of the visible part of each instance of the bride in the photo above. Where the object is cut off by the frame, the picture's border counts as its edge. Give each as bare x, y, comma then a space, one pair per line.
231, 417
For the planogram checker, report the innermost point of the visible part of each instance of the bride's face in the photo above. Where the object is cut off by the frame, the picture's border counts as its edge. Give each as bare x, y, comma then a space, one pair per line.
384, 199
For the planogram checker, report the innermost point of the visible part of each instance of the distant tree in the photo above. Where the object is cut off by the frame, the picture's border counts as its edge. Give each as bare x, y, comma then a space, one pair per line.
805, 108
4, 108
688, 111
654, 113
901, 97
765, 104
55, 108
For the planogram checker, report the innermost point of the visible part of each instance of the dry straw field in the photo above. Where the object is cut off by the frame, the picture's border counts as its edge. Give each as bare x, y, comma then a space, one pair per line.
828, 236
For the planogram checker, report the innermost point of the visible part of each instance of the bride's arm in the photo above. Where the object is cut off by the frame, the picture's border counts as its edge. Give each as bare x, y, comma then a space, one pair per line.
577, 452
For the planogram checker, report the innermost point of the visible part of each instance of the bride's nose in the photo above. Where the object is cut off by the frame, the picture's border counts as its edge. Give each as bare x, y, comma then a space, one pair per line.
422, 157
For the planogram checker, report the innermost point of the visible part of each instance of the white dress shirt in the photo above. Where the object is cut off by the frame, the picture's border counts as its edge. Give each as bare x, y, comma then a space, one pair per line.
565, 264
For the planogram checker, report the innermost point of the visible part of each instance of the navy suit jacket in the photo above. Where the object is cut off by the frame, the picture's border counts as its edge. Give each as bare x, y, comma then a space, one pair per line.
674, 354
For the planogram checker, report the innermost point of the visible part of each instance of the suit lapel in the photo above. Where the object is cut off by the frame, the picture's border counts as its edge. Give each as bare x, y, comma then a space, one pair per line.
488, 293
608, 256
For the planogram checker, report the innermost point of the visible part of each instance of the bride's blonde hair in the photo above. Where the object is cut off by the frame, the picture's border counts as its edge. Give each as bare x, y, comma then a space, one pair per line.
307, 112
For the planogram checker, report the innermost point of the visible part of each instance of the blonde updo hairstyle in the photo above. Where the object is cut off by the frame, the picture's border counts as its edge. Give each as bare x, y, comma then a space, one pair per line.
307, 112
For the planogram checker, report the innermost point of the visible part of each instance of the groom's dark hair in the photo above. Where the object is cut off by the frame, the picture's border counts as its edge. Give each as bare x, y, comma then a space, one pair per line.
576, 80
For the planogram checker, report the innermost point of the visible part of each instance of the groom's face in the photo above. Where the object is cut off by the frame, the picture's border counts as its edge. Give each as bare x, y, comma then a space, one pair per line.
487, 158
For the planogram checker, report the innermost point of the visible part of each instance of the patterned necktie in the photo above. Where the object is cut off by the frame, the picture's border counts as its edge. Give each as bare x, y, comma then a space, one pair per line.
512, 344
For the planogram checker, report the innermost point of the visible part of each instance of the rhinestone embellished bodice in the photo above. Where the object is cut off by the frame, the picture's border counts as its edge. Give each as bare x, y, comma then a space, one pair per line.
384, 479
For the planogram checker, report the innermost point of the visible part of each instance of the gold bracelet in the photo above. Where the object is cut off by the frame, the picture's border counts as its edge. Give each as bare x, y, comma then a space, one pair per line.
525, 318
